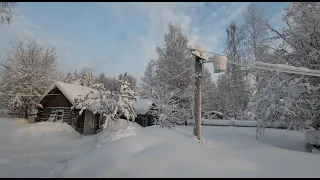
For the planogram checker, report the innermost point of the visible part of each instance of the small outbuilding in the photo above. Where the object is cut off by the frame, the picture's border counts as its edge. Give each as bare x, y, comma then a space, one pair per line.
56, 103
213, 115
147, 112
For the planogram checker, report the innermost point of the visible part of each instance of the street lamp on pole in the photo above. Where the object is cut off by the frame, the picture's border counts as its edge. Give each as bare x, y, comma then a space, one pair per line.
220, 63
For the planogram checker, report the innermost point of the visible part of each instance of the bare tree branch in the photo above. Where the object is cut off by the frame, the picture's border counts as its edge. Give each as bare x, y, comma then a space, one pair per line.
7, 12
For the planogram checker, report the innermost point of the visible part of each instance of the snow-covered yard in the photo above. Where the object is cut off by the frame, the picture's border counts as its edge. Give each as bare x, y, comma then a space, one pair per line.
56, 150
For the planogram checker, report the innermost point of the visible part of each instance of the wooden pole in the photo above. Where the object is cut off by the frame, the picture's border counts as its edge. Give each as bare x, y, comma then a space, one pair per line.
197, 98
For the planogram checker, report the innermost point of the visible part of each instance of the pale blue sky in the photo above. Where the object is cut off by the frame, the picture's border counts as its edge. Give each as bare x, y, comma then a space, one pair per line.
121, 37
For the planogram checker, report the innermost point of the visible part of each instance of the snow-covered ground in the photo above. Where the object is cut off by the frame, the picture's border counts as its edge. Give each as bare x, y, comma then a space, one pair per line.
56, 150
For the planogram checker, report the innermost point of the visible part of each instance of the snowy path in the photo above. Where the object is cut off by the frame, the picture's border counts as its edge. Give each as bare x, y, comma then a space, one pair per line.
55, 150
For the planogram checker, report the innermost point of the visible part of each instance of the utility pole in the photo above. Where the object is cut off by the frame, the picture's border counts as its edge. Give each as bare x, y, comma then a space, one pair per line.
197, 98
220, 65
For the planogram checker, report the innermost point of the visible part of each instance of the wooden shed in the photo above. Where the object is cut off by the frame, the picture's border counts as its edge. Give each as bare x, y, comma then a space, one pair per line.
56, 105
147, 112
213, 115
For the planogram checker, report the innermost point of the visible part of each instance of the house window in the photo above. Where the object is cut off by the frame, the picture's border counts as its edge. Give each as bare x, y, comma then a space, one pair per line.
59, 116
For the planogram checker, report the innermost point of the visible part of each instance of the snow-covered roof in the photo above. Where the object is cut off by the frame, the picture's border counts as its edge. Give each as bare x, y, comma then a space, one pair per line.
142, 106
217, 112
70, 91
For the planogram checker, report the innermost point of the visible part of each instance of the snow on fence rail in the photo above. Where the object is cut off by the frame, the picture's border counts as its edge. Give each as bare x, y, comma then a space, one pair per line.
239, 123
236, 123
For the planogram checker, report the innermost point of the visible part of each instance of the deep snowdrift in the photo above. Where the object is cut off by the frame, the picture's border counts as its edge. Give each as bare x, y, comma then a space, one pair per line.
158, 152
56, 150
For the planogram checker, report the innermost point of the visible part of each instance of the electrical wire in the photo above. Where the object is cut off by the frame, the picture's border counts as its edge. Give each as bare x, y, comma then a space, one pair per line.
268, 66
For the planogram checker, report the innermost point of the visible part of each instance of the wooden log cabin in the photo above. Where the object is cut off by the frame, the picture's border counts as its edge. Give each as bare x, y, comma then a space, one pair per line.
56, 106
147, 112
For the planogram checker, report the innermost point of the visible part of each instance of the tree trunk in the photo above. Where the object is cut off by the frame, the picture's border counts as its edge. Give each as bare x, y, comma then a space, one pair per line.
26, 112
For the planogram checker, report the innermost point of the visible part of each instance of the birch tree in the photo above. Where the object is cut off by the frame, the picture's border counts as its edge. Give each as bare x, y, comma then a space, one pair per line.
238, 92
148, 81
257, 37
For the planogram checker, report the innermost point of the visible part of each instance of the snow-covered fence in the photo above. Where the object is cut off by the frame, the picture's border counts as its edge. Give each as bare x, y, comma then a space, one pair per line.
235, 123
217, 122
244, 123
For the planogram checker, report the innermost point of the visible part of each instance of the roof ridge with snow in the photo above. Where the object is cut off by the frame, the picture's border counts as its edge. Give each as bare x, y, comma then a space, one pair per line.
69, 90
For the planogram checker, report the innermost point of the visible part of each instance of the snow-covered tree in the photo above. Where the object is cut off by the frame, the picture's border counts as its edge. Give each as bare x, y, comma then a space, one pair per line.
153, 89
110, 104
175, 68
26, 73
238, 95
72, 77
208, 92
101, 78
257, 36
130, 79
148, 81
281, 101
256, 30
223, 94
7, 12
169, 107
294, 99
173, 74
111, 84
83, 78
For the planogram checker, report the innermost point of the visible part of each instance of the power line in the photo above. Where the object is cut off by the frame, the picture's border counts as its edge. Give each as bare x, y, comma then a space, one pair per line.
268, 66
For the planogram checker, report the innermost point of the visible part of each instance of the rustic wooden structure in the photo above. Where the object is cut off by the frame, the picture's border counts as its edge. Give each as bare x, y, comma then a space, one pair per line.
213, 115
147, 112
56, 106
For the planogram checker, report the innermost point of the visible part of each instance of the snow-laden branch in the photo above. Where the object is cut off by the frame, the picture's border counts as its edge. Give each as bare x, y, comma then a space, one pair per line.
111, 105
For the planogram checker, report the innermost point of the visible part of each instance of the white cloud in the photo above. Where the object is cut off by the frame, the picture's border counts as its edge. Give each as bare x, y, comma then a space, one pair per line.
207, 33
24, 27
205, 29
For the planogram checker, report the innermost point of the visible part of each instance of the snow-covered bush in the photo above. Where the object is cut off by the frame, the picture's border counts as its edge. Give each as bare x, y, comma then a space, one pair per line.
111, 105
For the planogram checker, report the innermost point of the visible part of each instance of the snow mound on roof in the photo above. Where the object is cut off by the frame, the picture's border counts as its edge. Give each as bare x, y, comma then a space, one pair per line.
94, 106
142, 106
72, 91
217, 112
